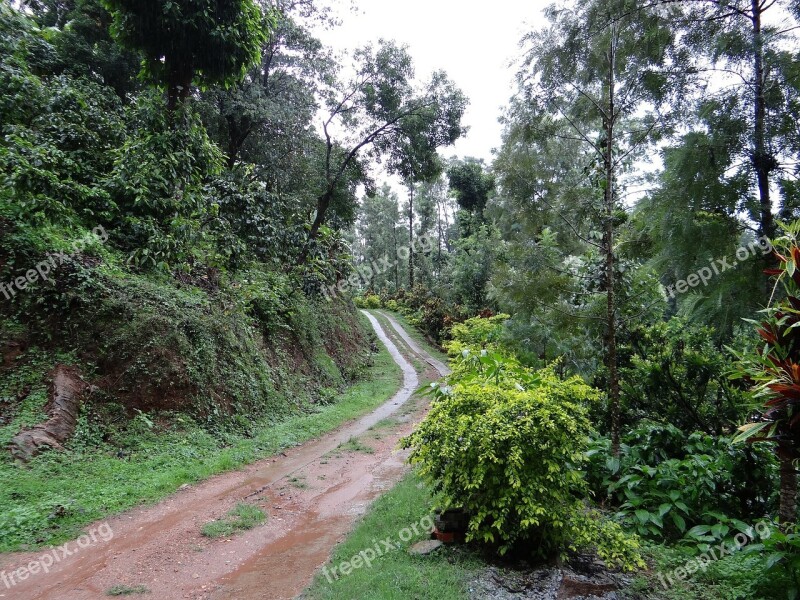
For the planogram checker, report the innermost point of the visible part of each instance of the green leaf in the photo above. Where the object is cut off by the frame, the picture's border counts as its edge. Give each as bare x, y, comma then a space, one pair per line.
698, 530
680, 523
774, 558
719, 530
749, 430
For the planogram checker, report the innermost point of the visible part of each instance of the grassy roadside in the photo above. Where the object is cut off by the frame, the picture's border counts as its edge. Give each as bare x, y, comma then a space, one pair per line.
49, 501
396, 575
738, 575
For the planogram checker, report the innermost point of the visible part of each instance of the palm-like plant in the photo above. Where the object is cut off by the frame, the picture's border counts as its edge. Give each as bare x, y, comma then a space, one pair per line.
774, 371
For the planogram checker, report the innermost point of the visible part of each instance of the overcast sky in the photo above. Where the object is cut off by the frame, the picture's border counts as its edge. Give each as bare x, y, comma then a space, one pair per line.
473, 42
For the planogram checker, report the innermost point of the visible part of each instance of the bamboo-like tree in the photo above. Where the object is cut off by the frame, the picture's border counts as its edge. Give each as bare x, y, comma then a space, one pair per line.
733, 170
602, 76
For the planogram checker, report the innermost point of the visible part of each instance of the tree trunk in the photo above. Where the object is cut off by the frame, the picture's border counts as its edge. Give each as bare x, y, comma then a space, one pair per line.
762, 159
237, 136
787, 513
441, 235
66, 391
411, 236
611, 318
233, 153
396, 261
323, 202
178, 86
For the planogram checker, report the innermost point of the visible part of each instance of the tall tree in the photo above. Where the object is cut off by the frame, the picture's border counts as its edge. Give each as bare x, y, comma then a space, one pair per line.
276, 99
183, 42
742, 147
470, 184
415, 161
384, 114
600, 75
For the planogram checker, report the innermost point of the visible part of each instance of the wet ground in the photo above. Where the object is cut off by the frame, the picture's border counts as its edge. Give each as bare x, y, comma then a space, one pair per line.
312, 494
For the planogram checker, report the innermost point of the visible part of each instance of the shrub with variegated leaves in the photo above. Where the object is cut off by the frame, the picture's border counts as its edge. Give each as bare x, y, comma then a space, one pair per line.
507, 444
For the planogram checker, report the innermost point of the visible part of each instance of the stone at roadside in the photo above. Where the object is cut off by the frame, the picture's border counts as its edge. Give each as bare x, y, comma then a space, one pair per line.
425, 547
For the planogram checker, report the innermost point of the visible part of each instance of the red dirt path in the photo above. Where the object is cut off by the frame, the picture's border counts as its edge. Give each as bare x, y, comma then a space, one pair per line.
312, 494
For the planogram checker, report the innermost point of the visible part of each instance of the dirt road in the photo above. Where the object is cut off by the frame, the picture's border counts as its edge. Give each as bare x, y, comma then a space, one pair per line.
312, 494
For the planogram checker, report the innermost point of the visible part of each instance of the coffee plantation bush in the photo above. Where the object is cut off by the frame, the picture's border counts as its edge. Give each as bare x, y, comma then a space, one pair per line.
507, 444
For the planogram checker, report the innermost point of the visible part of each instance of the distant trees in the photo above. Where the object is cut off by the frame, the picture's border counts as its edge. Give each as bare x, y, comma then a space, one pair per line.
379, 235
470, 184
380, 113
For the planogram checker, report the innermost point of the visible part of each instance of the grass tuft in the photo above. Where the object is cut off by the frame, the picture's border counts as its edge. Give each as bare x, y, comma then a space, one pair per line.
126, 590
240, 518
356, 445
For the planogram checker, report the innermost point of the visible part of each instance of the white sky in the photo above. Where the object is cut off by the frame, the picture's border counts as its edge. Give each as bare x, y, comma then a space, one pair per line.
473, 42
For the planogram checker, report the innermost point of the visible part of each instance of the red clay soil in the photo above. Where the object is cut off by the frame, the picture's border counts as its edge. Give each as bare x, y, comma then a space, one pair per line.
312, 494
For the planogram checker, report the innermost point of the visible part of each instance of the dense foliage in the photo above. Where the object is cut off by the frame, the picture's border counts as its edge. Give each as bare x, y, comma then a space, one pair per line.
507, 444
189, 198
648, 165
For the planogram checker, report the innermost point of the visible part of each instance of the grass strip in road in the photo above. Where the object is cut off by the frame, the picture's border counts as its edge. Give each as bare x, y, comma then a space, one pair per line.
416, 361
416, 335
396, 574
56, 494
241, 518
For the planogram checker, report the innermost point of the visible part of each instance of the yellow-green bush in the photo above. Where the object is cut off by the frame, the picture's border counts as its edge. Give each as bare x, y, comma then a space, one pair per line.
477, 332
507, 444
368, 301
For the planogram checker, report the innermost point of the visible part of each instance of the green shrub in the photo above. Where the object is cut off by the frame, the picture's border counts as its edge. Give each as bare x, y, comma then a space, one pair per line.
666, 482
368, 301
673, 372
477, 332
507, 445
782, 549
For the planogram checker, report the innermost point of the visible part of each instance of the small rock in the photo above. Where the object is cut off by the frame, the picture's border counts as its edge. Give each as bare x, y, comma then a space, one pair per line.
185, 486
425, 547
